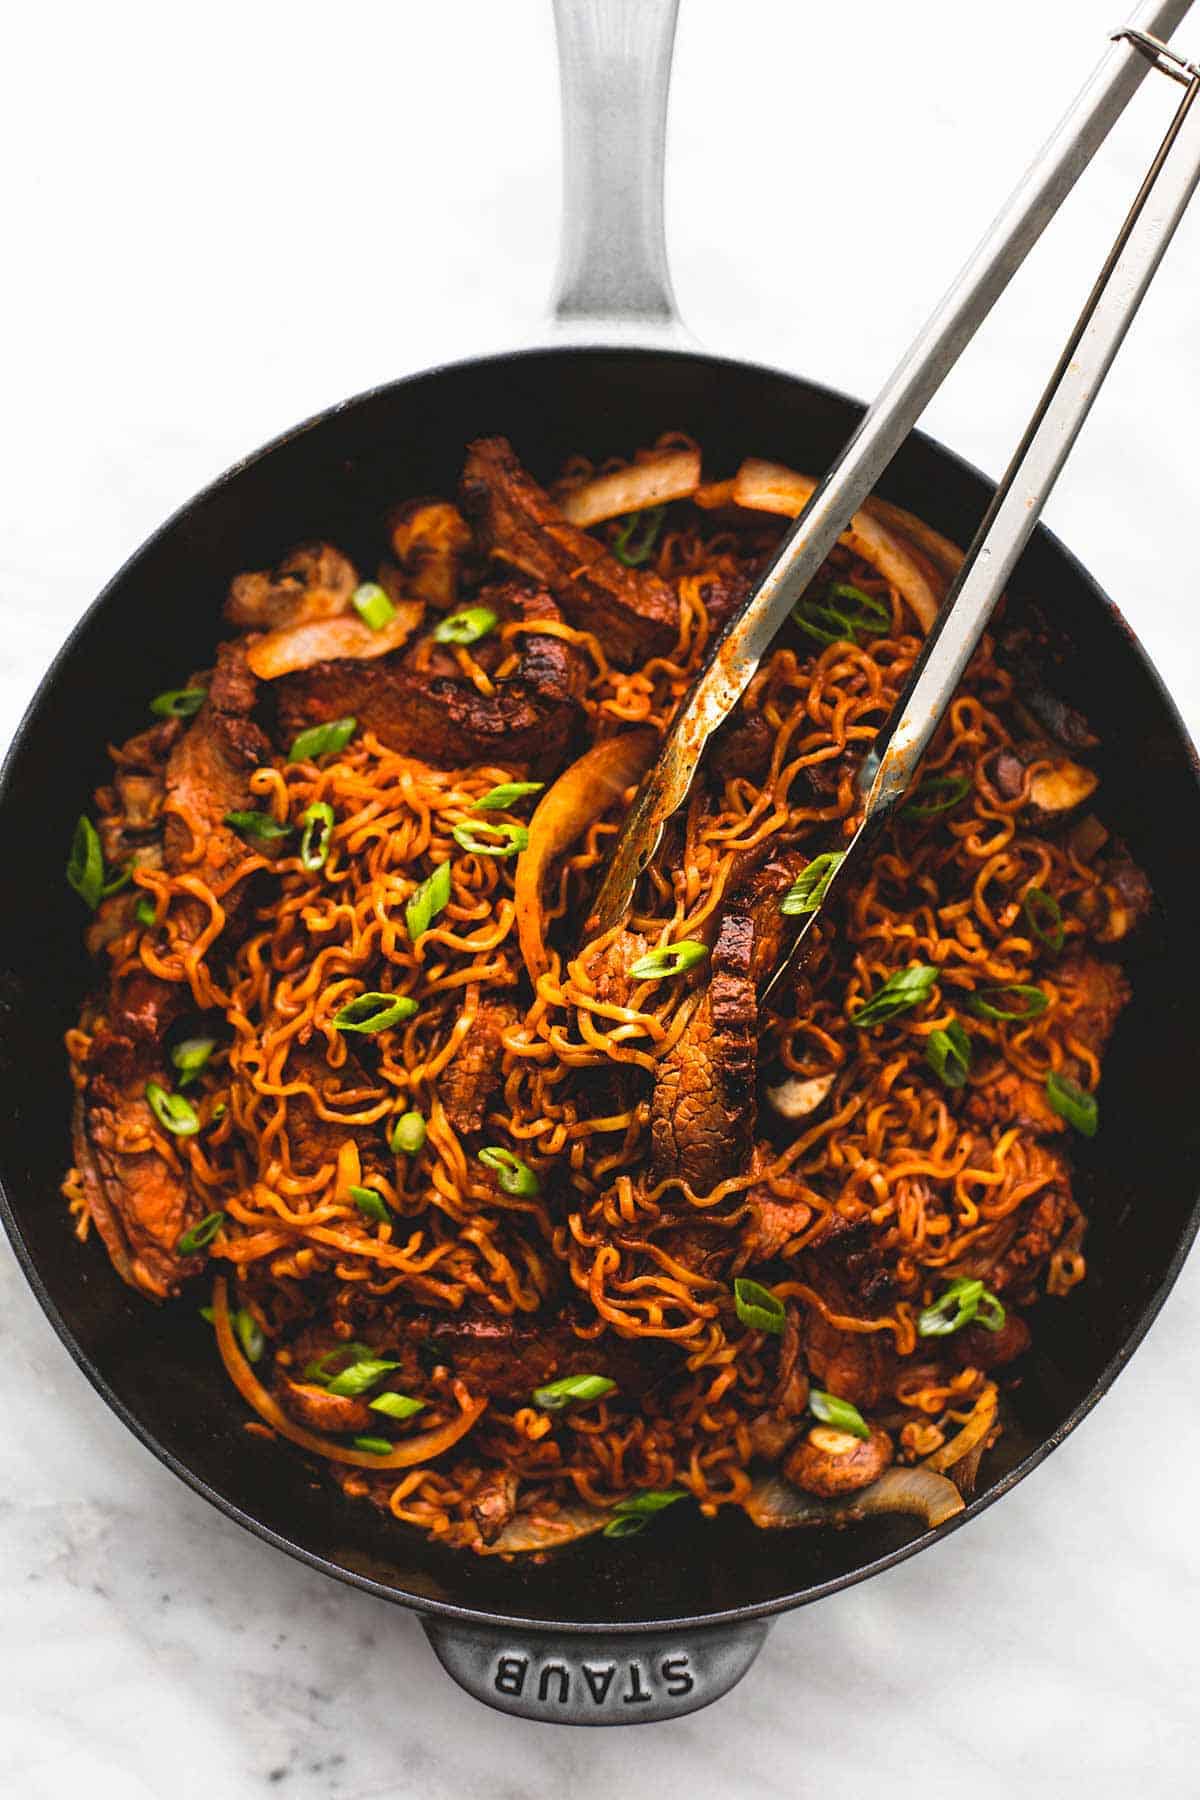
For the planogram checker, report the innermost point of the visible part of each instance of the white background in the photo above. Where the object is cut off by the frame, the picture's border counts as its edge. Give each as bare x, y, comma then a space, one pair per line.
220, 219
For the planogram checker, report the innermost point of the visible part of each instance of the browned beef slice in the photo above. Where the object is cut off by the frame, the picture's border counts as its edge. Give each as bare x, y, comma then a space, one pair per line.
139, 1202
633, 612
314, 1142
320, 1410
314, 581
442, 717
467, 1084
1048, 1222
742, 747
703, 1108
508, 1358
859, 1366
1009, 1098
1096, 992
493, 1503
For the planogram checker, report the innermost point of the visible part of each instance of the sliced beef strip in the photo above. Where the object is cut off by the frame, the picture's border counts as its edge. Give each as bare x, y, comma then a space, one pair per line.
442, 717
313, 581
467, 1085
859, 1366
633, 612
703, 1106
509, 1358
139, 1202
494, 1503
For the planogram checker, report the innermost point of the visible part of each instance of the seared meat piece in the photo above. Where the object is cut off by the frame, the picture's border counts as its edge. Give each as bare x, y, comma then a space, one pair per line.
742, 747
830, 1463
771, 1225
1119, 904
442, 717
702, 1110
139, 1010
633, 612
975, 1347
493, 1503
207, 776
1028, 650
322, 1411
314, 581
1096, 993
1010, 1098
858, 1366
1050, 1222
509, 1358
772, 1430
140, 1203
315, 1142
467, 1085
431, 540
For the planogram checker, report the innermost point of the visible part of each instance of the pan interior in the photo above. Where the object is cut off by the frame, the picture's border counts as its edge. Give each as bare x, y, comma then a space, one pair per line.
158, 621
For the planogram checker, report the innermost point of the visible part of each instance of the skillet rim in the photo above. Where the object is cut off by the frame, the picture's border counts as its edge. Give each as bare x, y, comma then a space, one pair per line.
420, 1603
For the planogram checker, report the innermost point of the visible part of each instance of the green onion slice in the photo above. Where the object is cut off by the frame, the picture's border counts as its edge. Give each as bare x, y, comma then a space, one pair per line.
1044, 917
901, 991
408, 1134
501, 840
117, 882
85, 864
623, 1525
318, 740
810, 886
1073, 1103
465, 627
964, 1302
936, 794
557, 1394
362, 1374
317, 836
198, 1237
145, 912
840, 1415
374, 1446
668, 960
249, 1334
190, 1056
512, 1175
318, 1368
369, 1202
757, 1307
650, 1500
372, 605
207, 1314
499, 799
840, 614
173, 1112
259, 825
427, 901
988, 1003
178, 703
374, 1012
396, 1406
637, 535
948, 1054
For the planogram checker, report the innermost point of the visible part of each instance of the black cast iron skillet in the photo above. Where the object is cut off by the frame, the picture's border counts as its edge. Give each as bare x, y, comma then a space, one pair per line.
605, 1632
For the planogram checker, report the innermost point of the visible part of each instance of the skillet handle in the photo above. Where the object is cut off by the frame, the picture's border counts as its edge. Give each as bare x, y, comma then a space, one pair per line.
594, 1678
615, 70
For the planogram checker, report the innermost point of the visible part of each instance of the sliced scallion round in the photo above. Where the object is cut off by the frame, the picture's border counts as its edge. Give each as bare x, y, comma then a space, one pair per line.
372, 605
1044, 917
374, 1446
260, 826
173, 1112
408, 1134
427, 901
810, 886
369, 1202
491, 840
178, 703
499, 799
353, 1381
85, 864
512, 1175
988, 1003
668, 960
901, 991
369, 1013
465, 627
948, 1054
190, 1056
319, 740
936, 794
841, 1415
571, 1388
317, 836
249, 1334
757, 1307
396, 1406
637, 535
1073, 1103
198, 1237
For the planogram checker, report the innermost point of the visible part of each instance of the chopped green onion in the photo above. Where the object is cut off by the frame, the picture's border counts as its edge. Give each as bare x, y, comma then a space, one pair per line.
840, 1415
1073, 1103
499, 799
810, 886
828, 623
145, 912
117, 882
427, 901
986, 1004
317, 836
668, 960
650, 1500
372, 605
373, 1445
190, 1056
757, 1307
318, 1368
85, 864
557, 1394
208, 1315
623, 1525
631, 551
466, 627
218, 1112
396, 1406
1044, 917
258, 825
249, 1334
198, 1237
905, 989
936, 794
318, 740
501, 840
964, 1302
513, 1176
178, 703
369, 1202
173, 1112
374, 1012
948, 1054
408, 1134
870, 609
354, 1381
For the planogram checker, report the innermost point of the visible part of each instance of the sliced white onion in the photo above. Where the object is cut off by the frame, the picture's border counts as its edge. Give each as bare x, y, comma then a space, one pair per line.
675, 475
775, 1502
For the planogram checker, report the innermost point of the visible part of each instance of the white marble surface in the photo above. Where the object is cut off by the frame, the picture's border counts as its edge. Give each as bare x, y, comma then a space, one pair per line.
222, 218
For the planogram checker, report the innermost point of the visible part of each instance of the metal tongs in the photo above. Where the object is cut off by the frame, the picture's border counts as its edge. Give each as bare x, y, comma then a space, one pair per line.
1006, 527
